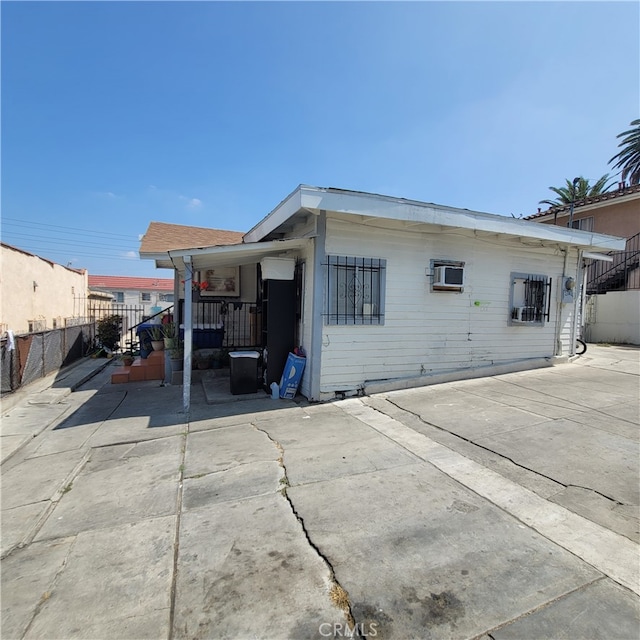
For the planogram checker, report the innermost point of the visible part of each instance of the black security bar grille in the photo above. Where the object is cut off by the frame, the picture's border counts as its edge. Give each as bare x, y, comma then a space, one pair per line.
537, 300
353, 290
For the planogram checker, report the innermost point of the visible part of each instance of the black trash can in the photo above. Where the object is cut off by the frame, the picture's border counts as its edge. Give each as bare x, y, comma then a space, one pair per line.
243, 371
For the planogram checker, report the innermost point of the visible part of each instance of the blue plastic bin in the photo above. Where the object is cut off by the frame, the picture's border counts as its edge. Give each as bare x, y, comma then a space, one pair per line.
144, 338
291, 376
206, 338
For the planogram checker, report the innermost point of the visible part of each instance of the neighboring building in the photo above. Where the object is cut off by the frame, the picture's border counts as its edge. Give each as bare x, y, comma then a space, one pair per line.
150, 294
386, 293
615, 213
38, 294
612, 309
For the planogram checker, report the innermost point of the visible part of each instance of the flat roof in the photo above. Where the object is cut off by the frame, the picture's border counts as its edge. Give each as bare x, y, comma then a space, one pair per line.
306, 200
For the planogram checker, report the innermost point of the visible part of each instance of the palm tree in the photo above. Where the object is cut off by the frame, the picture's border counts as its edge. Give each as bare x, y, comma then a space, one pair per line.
629, 158
578, 189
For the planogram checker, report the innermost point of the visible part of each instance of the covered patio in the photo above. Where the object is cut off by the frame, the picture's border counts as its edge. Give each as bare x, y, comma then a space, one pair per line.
224, 298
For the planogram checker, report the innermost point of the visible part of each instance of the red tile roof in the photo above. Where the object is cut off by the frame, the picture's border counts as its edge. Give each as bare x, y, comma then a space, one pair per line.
161, 237
608, 195
117, 283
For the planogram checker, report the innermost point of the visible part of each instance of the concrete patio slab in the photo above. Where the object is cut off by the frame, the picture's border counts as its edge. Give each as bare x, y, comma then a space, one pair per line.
46, 475
137, 482
600, 460
622, 519
465, 414
309, 427
226, 447
239, 482
317, 463
543, 486
28, 578
18, 523
204, 417
457, 560
261, 578
600, 611
125, 573
186, 526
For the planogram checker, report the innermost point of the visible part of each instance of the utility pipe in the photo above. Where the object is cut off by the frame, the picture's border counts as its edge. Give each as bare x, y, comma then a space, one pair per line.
558, 331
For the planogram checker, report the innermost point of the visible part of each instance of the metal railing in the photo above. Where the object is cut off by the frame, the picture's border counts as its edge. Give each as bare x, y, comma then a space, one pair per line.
620, 275
240, 322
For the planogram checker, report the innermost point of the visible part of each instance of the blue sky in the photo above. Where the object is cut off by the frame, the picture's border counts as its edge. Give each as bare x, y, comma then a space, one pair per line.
115, 114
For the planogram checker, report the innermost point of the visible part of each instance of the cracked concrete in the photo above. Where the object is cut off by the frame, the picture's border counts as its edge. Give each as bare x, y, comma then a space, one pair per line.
337, 594
458, 511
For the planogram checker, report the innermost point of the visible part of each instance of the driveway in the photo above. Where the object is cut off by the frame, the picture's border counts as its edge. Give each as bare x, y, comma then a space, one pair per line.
503, 507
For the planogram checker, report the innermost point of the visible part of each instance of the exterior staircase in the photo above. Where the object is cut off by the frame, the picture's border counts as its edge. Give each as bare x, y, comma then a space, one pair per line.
621, 274
150, 368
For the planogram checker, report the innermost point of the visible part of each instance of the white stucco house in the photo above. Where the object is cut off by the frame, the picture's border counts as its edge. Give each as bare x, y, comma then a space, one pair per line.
386, 293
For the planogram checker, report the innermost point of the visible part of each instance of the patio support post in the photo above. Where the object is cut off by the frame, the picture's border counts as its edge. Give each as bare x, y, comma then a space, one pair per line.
317, 306
188, 333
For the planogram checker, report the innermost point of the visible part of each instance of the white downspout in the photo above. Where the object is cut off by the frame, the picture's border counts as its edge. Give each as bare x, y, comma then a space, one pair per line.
577, 302
188, 332
558, 331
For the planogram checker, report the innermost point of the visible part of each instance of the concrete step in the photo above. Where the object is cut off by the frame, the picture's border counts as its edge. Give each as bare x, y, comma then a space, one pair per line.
150, 368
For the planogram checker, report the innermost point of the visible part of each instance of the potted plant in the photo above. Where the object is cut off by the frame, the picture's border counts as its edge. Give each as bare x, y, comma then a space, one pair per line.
127, 358
157, 337
176, 356
201, 360
170, 334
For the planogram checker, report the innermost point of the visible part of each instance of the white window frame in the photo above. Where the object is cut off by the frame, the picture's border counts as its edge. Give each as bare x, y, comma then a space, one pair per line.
584, 224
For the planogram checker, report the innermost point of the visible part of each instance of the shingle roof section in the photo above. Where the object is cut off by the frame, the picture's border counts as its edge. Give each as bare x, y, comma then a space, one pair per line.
118, 283
162, 237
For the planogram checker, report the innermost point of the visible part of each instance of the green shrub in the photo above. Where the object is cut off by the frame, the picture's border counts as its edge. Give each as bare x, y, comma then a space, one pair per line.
108, 332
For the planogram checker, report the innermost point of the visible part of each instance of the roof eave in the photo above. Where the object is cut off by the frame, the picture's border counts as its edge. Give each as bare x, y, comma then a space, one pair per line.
235, 254
315, 199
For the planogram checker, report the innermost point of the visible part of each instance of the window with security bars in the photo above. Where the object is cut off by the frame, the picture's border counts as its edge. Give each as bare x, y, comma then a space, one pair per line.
354, 290
529, 299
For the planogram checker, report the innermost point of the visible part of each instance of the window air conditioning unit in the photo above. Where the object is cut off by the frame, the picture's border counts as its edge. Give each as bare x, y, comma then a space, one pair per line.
448, 276
524, 314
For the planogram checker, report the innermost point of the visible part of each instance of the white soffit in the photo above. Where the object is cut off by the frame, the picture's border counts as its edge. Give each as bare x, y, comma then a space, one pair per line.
597, 256
236, 254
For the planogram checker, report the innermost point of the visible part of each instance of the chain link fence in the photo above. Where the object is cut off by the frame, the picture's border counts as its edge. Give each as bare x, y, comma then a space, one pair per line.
36, 355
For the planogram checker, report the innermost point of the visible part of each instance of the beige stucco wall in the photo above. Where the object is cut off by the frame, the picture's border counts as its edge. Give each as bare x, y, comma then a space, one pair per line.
59, 292
615, 218
614, 317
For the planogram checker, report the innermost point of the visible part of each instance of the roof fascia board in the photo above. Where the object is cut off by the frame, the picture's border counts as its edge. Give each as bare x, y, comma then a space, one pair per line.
405, 210
240, 249
158, 255
285, 210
